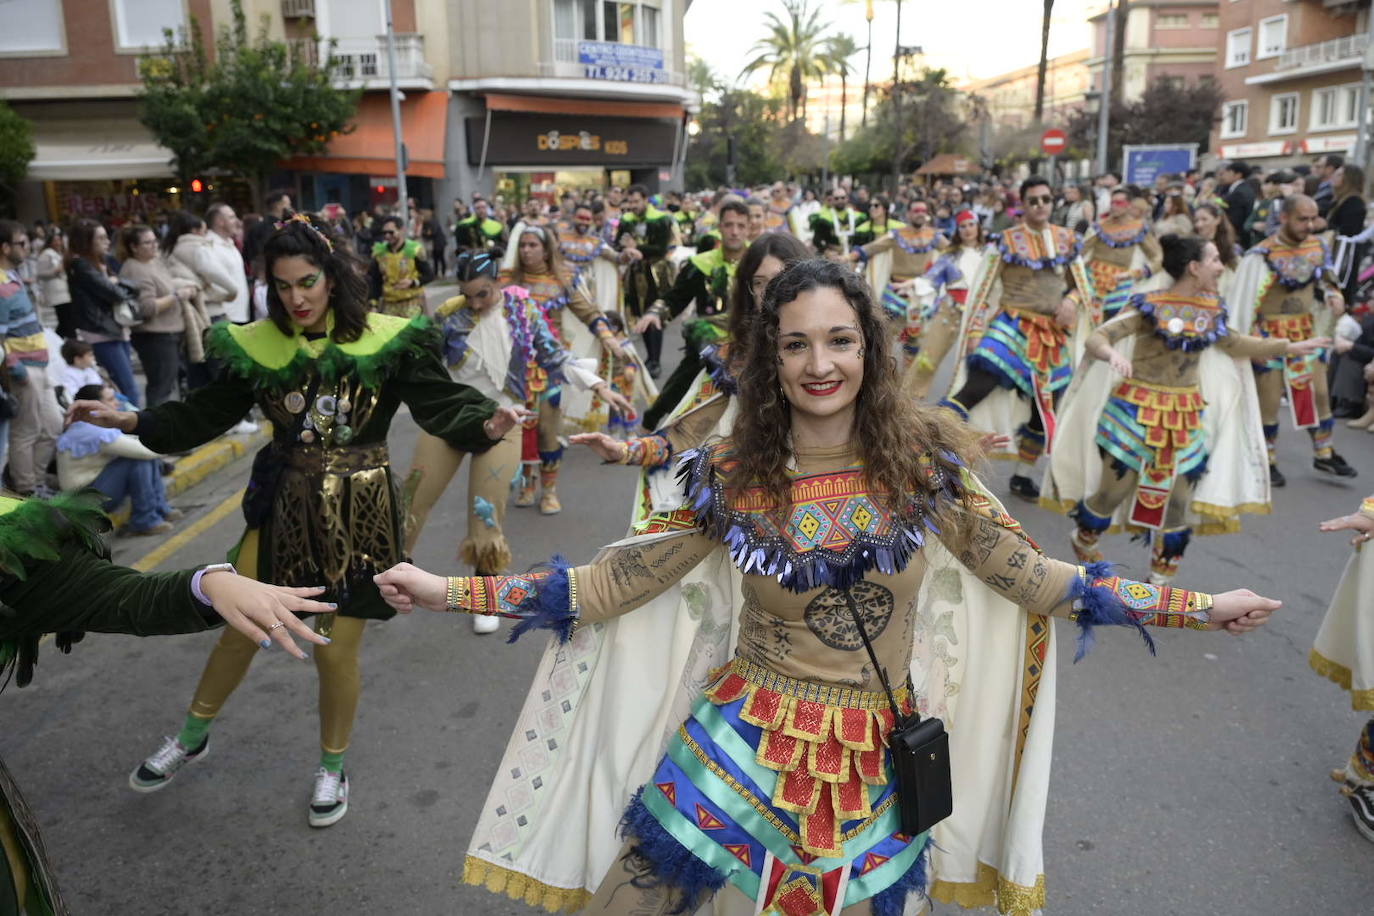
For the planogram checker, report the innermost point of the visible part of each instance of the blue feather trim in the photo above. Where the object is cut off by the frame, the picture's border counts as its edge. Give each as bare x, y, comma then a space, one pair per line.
1136, 239
668, 860
550, 605
1059, 260
1088, 519
716, 367
1187, 343
1293, 283
1100, 605
891, 901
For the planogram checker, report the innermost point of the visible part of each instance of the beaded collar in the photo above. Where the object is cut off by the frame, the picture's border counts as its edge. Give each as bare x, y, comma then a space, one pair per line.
1188, 323
833, 534
1294, 266
1122, 235
1017, 246
580, 249
920, 241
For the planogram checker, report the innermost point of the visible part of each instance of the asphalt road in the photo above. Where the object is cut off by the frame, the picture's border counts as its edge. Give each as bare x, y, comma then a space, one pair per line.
1190, 783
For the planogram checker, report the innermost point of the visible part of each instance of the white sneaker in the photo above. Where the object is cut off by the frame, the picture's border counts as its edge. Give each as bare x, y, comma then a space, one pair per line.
159, 769
243, 428
330, 801
483, 623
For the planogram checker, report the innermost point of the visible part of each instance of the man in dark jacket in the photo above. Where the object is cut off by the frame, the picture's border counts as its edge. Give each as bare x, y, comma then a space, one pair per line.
1237, 194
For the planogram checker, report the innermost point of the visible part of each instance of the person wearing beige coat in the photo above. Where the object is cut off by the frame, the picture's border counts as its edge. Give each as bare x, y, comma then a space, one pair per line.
158, 337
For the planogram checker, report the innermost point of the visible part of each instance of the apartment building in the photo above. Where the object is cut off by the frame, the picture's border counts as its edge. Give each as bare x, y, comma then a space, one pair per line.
1010, 96
1290, 74
1175, 39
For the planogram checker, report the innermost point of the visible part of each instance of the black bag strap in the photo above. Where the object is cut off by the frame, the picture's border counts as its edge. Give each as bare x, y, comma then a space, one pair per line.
873, 657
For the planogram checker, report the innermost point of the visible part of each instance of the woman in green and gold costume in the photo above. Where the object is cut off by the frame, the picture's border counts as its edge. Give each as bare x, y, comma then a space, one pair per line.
321, 505
52, 561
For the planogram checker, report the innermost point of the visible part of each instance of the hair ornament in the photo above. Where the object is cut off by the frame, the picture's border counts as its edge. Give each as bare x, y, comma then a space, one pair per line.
299, 217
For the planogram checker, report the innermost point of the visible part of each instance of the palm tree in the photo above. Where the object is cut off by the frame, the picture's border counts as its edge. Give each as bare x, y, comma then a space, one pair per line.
794, 48
838, 50
1044, 61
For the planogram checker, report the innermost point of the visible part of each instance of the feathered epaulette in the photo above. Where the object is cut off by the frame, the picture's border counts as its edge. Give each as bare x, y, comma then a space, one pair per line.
716, 358
833, 533
1186, 323
930, 243
1122, 240
1015, 248
267, 358
35, 531
1294, 267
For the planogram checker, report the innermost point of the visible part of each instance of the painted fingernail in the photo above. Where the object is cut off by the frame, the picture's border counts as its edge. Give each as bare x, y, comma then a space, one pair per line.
332, 605
266, 643
326, 639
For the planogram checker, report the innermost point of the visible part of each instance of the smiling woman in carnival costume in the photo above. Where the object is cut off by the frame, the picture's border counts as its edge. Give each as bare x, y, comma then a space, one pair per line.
765, 776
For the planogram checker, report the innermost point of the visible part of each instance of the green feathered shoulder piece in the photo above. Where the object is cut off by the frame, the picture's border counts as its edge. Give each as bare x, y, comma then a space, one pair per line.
34, 531
267, 358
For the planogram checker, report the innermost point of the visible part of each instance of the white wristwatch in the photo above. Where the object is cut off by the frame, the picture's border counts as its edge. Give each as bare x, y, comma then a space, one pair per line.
200, 574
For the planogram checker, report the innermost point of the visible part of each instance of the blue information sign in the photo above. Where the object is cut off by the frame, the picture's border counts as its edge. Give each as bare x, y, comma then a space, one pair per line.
609, 60
1140, 164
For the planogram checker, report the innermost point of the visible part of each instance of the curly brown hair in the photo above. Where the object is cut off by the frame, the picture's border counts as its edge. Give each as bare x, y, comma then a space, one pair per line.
895, 437
786, 248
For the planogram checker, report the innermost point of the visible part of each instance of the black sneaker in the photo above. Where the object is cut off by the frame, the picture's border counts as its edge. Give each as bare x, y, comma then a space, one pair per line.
1024, 487
159, 769
655, 370
1362, 809
1276, 478
1334, 465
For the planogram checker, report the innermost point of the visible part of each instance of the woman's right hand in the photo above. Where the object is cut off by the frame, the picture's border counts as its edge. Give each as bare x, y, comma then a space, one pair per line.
406, 587
609, 449
1120, 364
1313, 344
1362, 525
98, 413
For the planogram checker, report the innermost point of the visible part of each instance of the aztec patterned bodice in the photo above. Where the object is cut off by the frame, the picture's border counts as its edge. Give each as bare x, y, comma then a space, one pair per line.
1115, 243
579, 250
1293, 267
775, 220
1190, 323
916, 241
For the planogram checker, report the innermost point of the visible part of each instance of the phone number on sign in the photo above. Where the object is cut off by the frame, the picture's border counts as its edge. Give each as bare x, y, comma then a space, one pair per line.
625, 74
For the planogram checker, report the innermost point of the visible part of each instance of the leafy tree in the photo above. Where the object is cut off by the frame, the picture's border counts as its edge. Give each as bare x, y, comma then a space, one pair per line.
838, 51
1165, 113
16, 152
749, 122
936, 119
256, 103
795, 49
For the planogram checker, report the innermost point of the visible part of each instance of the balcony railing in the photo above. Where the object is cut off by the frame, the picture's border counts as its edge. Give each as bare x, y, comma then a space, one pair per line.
365, 60
1350, 48
298, 9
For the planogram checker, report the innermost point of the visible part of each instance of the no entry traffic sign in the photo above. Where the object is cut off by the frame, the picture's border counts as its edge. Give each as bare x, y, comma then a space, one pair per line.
1053, 141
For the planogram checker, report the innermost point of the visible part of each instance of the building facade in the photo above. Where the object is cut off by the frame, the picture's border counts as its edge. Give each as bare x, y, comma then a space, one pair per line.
1174, 39
1010, 97
1290, 76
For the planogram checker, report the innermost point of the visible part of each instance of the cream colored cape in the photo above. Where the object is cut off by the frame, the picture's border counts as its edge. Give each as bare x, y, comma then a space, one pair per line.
1344, 648
602, 708
1237, 478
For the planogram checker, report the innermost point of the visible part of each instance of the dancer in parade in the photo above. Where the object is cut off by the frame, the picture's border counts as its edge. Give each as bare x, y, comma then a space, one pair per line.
320, 505
1172, 411
705, 410
1211, 225
538, 269
1120, 250
833, 500
593, 261
398, 272
833, 226
1344, 653
649, 236
1274, 293
896, 258
1027, 315
56, 579
479, 232
780, 215
951, 273
498, 342
705, 280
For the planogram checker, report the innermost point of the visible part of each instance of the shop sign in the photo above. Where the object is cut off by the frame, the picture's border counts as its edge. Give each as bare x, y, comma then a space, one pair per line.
1140, 164
610, 60
1252, 150
564, 140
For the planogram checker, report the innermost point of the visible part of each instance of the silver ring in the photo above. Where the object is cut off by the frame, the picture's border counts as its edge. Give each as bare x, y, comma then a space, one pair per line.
275, 625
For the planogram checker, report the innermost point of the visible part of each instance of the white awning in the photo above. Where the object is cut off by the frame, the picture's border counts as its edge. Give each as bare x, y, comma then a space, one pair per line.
97, 149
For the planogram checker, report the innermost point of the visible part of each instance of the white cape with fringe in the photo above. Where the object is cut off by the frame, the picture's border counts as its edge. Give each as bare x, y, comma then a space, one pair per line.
1344, 648
602, 708
1237, 478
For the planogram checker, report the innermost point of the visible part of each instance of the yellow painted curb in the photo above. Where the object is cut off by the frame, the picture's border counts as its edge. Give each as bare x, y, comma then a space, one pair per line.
203, 462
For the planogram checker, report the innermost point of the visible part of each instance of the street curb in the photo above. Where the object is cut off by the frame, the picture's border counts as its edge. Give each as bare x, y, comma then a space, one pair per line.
203, 462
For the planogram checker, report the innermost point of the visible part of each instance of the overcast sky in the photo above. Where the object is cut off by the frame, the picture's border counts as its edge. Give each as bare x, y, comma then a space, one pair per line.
972, 39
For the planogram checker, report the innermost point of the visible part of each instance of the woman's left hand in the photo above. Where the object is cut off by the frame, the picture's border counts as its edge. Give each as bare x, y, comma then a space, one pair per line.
1362, 525
265, 612
1241, 611
503, 421
405, 587
615, 399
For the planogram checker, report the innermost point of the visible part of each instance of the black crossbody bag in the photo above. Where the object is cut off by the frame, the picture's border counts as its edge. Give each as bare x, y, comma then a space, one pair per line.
920, 755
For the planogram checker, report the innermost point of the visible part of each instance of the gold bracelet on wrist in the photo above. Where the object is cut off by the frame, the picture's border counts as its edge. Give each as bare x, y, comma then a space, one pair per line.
453, 602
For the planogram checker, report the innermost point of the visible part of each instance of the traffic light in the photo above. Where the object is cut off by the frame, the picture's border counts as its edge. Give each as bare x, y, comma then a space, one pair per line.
381, 189
196, 186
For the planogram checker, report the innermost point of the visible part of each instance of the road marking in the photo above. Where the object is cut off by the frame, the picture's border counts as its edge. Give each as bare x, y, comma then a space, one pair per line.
167, 548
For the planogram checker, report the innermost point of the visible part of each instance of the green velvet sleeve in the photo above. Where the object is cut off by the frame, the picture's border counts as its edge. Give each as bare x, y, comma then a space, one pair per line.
206, 413
81, 591
441, 406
